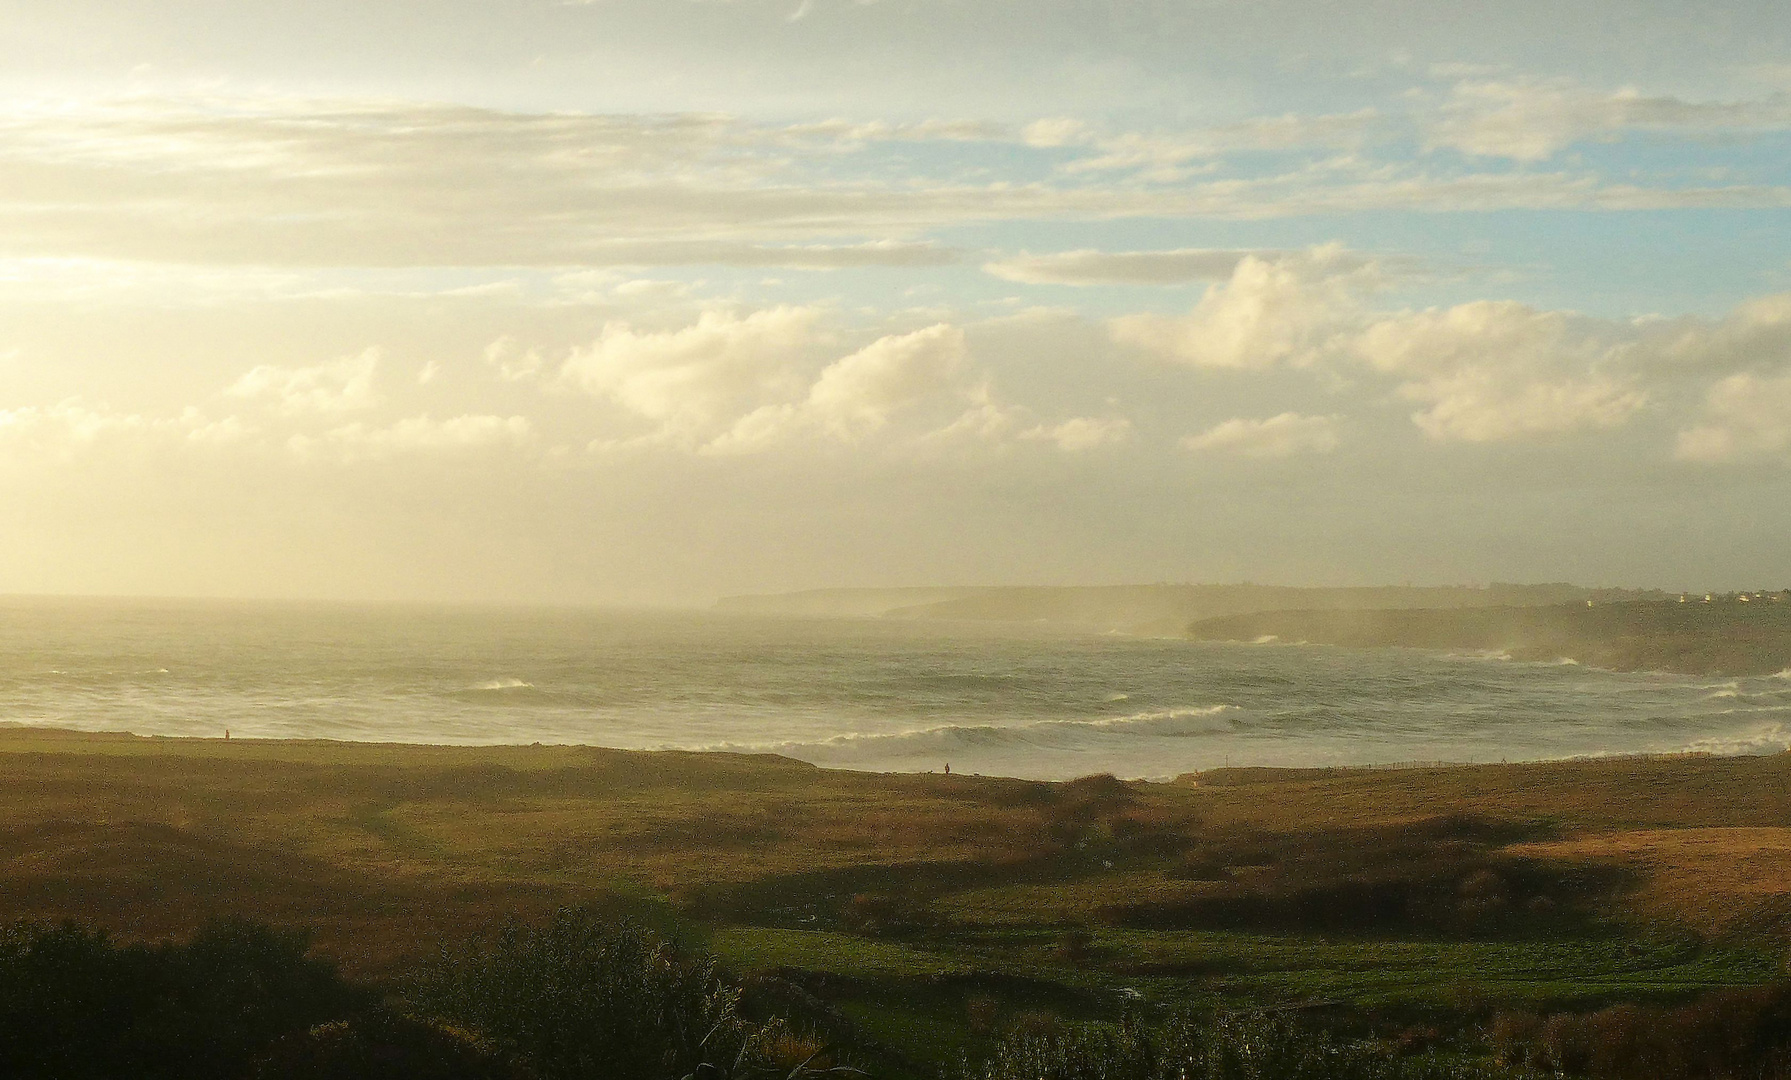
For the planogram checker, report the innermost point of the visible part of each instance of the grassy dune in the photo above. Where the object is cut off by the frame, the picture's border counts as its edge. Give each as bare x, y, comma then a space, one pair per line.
933, 912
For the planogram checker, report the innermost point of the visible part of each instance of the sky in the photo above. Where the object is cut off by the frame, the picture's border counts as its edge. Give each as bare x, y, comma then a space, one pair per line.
653, 301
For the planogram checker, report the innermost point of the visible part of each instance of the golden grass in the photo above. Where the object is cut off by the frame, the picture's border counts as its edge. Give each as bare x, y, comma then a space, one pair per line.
385, 848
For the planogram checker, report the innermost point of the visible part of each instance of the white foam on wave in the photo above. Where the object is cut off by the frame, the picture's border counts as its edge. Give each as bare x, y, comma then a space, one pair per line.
505, 684
1769, 739
1162, 723
1152, 716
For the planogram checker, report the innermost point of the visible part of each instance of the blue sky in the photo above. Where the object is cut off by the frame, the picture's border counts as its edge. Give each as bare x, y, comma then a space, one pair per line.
649, 302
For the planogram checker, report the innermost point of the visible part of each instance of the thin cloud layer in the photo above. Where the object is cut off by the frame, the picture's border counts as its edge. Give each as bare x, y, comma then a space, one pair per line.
1090, 267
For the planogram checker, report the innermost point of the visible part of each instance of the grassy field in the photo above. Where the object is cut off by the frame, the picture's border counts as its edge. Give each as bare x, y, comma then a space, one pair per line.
935, 912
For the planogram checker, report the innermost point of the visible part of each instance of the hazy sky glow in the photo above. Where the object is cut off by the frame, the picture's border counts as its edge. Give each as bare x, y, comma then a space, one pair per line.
630, 301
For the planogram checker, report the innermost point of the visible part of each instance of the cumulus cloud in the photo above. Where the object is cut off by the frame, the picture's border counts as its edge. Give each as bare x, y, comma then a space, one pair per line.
512, 363
1483, 371
1280, 436
1746, 417
693, 381
1272, 310
1490, 371
1090, 267
858, 393
734, 384
1757, 332
1531, 120
343, 385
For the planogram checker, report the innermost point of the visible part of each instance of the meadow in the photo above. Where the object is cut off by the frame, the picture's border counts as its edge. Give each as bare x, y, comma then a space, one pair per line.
921, 919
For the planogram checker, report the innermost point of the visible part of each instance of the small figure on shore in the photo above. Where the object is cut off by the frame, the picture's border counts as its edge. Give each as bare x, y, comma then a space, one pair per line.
948, 768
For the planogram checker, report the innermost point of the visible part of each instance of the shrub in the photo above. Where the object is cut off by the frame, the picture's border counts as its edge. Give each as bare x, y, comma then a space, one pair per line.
1242, 1047
73, 1005
1725, 1033
575, 999
381, 1045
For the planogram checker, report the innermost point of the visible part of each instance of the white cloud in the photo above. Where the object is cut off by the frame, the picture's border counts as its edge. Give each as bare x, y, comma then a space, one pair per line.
1055, 131
1757, 332
735, 384
415, 435
1746, 417
511, 362
228, 431
270, 183
1485, 371
1490, 371
1090, 267
1532, 120
651, 289
857, 394
72, 427
694, 381
1081, 433
860, 394
1171, 156
339, 386
66, 424
1281, 436
1282, 310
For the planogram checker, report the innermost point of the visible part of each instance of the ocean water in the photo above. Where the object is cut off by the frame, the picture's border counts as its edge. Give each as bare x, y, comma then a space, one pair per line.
876, 694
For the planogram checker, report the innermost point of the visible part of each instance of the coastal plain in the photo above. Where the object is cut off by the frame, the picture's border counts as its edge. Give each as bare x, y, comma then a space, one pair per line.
932, 911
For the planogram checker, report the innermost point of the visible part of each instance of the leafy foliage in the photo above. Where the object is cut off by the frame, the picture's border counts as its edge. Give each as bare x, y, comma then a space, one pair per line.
1726, 1033
73, 1005
382, 1045
579, 1000
1242, 1047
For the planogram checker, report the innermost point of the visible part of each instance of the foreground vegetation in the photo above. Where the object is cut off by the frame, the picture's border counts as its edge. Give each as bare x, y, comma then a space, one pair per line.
1544, 917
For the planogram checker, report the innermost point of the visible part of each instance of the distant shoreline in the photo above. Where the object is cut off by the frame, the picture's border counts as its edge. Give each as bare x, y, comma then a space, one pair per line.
38, 739
1721, 639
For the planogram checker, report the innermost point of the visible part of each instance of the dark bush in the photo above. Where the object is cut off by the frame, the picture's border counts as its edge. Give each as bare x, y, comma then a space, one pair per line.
73, 1005
576, 999
1726, 1033
1247, 1047
381, 1045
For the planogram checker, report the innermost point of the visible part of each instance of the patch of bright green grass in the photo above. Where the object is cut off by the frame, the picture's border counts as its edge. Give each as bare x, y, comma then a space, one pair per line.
1429, 972
754, 948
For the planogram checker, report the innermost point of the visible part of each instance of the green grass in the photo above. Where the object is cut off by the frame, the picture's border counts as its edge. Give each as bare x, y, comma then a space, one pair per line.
756, 948
920, 906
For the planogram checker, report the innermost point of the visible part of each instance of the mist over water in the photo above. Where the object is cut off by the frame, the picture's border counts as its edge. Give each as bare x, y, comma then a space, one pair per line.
875, 694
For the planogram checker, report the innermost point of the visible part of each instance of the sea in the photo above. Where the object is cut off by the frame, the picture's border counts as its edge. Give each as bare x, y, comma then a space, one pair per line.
881, 694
